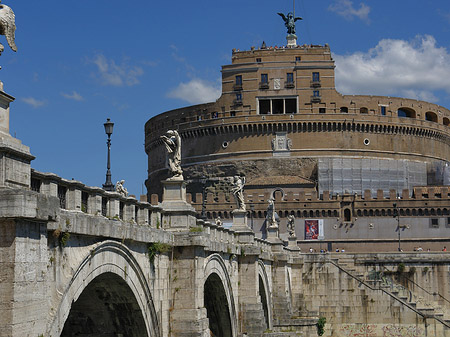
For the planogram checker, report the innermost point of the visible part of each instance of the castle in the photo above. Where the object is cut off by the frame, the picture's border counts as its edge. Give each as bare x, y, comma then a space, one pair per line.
353, 163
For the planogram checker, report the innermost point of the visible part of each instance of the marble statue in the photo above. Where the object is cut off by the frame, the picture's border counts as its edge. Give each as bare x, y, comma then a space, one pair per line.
121, 189
271, 219
291, 225
289, 22
172, 140
7, 27
219, 221
238, 191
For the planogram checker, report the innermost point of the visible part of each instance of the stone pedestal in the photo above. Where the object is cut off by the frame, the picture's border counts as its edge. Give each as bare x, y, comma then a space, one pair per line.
176, 213
292, 243
245, 233
15, 158
291, 40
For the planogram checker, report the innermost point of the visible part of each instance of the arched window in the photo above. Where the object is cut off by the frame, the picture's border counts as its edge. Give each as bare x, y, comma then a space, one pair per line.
446, 121
431, 116
406, 112
347, 215
344, 109
364, 110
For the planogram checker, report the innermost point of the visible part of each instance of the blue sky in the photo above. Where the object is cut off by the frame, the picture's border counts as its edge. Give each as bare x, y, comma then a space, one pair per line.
81, 62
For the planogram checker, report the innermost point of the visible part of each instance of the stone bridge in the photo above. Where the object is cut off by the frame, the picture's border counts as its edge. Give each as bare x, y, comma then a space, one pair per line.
70, 269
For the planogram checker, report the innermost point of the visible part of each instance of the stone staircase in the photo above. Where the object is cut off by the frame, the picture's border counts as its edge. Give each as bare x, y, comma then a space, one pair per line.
424, 307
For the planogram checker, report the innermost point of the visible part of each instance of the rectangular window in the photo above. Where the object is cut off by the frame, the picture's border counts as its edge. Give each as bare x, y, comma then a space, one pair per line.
321, 110
239, 80
290, 78
383, 111
435, 223
258, 59
238, 96
291, 105
315, 77
264, 78
298, 59
316, 93
232, 113
264, 106
277, 106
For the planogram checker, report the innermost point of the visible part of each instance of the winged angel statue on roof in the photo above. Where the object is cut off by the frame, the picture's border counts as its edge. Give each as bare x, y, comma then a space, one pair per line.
7, 26
289, 22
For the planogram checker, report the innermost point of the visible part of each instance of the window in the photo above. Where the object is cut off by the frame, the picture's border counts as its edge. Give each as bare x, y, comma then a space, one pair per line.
434, 223
287, 105
322, 110
232, 113
238, 96
315, 77
344, 109
298, 59
214, 115
406, 113
264, 78
290, 78
316, 93
383, 111
258, 59
239, 80
364, 110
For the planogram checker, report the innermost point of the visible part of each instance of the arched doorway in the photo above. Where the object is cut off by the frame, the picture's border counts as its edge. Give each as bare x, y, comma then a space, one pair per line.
106, 307
217, 309
262, 294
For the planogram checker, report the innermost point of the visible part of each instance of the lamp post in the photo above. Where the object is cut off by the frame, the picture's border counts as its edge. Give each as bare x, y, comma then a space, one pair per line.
108, 185
399, 227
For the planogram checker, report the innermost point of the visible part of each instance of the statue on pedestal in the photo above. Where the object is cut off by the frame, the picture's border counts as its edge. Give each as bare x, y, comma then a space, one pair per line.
271, 218
121, 189
7, 27
291, 225
289, 22
172, 140
238, 191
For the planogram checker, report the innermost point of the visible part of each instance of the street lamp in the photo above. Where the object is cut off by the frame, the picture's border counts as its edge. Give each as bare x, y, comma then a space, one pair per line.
399, 227
108, 185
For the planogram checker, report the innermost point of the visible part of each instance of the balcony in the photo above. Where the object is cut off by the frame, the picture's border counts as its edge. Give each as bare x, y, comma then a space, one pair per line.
315, 84
237, 102
289, 85
263, 85
237, 86
316, 99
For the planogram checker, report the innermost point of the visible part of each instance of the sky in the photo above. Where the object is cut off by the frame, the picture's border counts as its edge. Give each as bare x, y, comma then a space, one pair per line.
79, 63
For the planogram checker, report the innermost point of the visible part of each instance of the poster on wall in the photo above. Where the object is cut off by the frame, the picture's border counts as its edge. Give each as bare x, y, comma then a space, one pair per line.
314, 229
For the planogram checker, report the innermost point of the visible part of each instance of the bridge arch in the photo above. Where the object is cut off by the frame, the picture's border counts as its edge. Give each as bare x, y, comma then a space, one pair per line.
217, 290
109, 263
264, 293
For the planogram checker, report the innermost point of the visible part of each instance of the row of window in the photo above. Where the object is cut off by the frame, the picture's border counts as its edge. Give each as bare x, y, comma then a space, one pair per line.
265, 79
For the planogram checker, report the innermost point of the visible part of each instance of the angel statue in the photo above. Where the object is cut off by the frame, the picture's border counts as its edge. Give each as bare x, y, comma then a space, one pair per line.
172, 140
7, 27
238, 191
291, 225
271, 214
289, 22
121, 189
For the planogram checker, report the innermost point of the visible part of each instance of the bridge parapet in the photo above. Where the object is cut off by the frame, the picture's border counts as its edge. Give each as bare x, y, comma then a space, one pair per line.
73, 195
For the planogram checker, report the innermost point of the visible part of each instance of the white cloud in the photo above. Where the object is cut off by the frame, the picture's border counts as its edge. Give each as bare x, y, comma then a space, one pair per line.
196, 91
74, 96
110, 73
396, 68
346, 9
35, 103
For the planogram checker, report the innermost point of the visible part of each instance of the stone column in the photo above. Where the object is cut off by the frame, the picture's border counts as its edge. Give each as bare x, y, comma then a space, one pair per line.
251, 310
15, 158
187, 314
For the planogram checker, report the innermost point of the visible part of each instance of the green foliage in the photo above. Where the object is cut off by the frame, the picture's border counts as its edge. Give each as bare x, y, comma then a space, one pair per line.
321, 326
412, 270
155, 248
83, 208
64, 239
158, 224
197, 229
401, 268
425, 270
